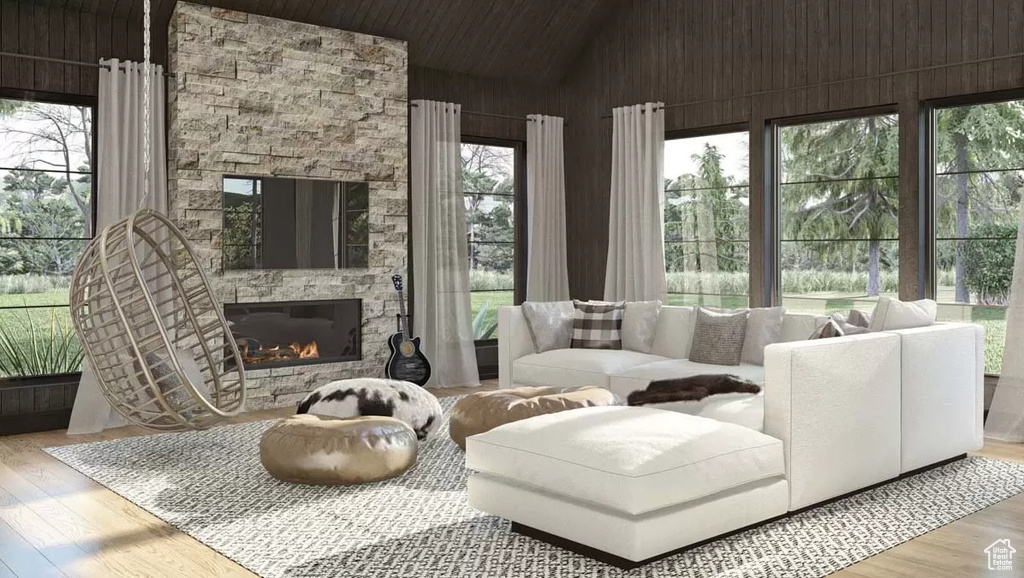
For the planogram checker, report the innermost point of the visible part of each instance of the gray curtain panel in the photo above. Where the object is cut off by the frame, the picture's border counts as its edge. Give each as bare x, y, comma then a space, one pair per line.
121, 188
440, 256
636, 242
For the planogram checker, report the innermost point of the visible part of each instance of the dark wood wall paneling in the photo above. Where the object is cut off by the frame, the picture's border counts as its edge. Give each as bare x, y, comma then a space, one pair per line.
66, 33
751, 61
493, 96
492, 39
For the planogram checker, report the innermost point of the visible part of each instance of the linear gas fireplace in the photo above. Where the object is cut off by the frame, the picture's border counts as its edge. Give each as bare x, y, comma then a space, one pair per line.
296, 333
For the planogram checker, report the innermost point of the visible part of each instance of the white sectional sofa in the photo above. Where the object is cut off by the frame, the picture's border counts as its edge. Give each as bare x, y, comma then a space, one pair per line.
627, 485
851, 411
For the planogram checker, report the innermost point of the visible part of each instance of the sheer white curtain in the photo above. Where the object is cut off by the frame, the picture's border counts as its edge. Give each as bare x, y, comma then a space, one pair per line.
547, 275
636, 243
120, 188
442, 316
1006, 414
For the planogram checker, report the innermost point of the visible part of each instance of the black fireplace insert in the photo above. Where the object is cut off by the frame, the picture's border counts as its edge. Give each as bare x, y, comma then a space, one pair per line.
280, 334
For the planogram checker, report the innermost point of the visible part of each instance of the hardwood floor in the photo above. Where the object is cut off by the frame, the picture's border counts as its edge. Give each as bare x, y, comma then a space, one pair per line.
57, 522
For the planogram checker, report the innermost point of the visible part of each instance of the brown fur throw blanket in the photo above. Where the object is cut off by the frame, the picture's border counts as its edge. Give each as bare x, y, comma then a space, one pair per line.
693, 388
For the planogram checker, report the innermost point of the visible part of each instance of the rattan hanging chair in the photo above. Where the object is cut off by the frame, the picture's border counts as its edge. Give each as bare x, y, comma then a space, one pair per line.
153, 332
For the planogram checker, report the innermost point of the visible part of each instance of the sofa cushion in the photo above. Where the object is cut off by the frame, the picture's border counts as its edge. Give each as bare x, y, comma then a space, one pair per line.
576, 367
740, 409
831, 328
764, 327
718, 337
859, 318
597, 324
550, 324
637, 377
893, 314
800, 326
639, 323
675, 332
628, 459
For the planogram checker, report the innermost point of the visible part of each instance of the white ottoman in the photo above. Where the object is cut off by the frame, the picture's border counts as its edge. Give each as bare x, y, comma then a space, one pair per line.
633, 482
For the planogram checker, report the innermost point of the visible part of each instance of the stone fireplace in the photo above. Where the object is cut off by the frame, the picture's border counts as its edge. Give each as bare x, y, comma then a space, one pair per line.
261, 97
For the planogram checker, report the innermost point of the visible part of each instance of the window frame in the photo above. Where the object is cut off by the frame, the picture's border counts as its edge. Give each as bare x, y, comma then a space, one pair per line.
773, 183
69, 100
928, 180
718, 130
519, 215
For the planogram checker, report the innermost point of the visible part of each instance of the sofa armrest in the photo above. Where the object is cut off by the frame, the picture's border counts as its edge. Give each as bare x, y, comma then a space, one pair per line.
835, 404
513, 342
943, 392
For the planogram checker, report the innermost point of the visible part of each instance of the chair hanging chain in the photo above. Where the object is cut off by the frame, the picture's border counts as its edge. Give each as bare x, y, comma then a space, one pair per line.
147, 112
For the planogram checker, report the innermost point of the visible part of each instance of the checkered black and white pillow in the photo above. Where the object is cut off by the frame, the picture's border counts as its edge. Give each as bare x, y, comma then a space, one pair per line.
597, 325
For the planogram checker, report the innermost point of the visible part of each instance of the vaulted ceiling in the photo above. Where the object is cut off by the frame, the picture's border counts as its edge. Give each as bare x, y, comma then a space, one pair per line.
533, 41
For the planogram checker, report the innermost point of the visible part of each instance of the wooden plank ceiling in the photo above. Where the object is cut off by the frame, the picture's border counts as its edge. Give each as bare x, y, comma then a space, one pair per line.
532, 41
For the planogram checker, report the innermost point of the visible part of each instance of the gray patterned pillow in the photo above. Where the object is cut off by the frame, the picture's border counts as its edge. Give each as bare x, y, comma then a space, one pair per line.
597, 325
639, 324
550, 324
718, 337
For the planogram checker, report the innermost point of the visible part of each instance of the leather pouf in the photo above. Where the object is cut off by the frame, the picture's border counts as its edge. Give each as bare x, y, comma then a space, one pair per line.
374, 396
313, 449
484, 411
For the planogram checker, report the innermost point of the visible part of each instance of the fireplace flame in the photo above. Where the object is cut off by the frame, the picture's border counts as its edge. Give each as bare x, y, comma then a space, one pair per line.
278, 353
308, 351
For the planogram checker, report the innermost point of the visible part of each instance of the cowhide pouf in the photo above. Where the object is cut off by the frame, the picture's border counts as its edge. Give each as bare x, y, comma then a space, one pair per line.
402, 400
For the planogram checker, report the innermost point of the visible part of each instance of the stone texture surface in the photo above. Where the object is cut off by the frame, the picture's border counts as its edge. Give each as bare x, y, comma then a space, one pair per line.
259, 96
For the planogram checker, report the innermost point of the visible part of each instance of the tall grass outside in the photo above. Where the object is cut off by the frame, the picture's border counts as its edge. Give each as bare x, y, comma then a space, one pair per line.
36, 335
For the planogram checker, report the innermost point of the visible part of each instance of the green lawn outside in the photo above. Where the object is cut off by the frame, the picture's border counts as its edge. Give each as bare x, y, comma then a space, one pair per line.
47, 298
19, 327
493, 300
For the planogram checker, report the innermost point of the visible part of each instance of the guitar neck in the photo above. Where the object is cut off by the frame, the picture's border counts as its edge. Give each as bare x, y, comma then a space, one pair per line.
403, 318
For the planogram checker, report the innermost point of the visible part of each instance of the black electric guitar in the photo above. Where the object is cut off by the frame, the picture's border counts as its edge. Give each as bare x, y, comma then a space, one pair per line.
406, 362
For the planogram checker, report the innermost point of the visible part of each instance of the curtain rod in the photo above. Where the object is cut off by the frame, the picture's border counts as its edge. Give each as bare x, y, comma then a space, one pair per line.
845, 80
61, 61
491, 114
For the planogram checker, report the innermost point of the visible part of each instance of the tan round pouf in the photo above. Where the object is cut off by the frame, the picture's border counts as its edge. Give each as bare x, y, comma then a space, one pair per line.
317, 449
484, 411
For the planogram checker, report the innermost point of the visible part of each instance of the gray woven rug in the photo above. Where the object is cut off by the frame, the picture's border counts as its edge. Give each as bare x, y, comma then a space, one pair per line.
211, 486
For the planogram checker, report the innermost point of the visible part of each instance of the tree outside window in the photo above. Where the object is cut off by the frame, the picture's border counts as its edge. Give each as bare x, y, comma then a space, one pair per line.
707, 232
46, 219
978, 175
839, 213
488, 182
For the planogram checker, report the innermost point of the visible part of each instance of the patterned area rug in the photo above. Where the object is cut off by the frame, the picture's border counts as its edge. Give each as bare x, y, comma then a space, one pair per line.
211, 486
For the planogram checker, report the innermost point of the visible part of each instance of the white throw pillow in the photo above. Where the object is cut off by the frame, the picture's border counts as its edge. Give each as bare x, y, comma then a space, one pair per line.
764, 327
893, 314
550, 324
639, 324
675, 332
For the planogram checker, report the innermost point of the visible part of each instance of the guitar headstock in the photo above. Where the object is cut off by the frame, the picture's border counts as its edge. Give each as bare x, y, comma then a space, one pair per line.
397, 280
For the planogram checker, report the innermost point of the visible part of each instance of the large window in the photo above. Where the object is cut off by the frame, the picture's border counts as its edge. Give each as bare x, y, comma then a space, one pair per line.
978, 175
838, 200
707, 240
489, 187
46, 218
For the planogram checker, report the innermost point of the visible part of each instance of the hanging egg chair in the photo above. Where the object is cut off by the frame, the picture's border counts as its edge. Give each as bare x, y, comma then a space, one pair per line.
142, 307
153, 332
